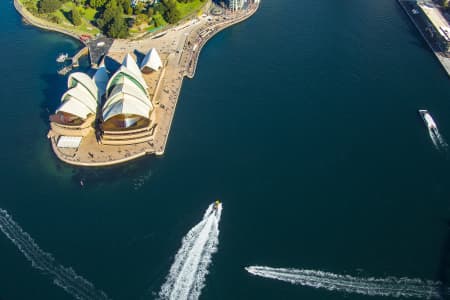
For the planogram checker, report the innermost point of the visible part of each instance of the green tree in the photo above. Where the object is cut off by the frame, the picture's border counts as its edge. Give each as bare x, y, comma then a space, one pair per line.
446, 4
75, 17
150, 12
48, 6
126, 6
139, 8
112, 21
108, 15
118, 29
141, 19
172, 14
97, 3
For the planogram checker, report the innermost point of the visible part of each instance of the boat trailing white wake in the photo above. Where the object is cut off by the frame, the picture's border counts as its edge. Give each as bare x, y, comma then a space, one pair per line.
433, 131
64, 277
187, 274
390, 286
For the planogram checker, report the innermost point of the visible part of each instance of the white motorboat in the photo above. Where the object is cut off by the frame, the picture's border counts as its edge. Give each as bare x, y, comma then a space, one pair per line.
62, 57
431, 125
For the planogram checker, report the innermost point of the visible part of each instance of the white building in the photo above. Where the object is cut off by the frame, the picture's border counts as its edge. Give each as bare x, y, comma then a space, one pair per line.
80, 100
128, 103
151, 62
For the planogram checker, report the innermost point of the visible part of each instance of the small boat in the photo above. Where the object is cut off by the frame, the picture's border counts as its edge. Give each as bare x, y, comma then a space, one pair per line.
217, 206
62, 57
431, 125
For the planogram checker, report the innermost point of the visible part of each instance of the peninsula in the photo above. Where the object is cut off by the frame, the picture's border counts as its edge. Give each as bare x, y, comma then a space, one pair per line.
125, 110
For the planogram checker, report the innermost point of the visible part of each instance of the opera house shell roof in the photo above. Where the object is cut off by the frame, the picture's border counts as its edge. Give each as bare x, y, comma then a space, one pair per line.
127, 101
152, 61
81, 99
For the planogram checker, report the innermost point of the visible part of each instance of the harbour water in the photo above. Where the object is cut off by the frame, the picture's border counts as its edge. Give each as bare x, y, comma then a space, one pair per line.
302, 120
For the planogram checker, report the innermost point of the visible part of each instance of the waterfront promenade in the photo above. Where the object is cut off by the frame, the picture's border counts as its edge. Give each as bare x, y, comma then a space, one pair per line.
418, 20
179, 49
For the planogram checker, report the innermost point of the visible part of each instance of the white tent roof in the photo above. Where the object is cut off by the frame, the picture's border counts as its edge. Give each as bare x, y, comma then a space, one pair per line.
128, 87
101, 80
152, 60
128, 72
83, 95
78, 101
83, 79
126, 105
74, 107
128, 94
131, 64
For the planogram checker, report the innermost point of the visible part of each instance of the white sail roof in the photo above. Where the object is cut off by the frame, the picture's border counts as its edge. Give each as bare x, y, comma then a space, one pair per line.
152, 60
126, 105
127, 92
83, 95
85, 80
131, 64
125, 71
78, 101
101, 80
74, 107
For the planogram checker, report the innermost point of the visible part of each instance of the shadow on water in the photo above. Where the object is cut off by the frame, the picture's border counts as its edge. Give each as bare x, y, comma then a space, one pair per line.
54, 87
444, 266
137, 171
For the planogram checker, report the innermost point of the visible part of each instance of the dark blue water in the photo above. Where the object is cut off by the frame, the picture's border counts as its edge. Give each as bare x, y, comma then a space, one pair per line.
308, 133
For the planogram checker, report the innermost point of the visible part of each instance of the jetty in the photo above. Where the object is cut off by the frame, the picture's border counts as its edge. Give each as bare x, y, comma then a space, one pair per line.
433, 27
179, 48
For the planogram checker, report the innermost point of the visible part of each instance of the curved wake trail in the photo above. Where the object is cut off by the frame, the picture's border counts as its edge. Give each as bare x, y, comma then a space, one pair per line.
187, 274
438, 141
64, 277
390, 286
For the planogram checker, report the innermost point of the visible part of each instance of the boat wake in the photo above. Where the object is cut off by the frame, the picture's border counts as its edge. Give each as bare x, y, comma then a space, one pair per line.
437, 139
187, 274
64, 277
390, 286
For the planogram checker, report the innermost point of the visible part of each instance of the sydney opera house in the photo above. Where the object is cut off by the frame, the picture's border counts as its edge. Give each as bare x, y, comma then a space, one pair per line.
116, 107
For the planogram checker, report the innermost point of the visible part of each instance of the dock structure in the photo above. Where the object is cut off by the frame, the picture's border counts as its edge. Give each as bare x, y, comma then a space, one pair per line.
179, 55
432, 26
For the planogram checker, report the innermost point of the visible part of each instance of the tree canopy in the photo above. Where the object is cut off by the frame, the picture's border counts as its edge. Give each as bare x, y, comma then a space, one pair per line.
75, 17
112, 21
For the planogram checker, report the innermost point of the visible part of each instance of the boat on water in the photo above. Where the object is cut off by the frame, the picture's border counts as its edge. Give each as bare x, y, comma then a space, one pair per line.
428, 119
217, 206
62, 57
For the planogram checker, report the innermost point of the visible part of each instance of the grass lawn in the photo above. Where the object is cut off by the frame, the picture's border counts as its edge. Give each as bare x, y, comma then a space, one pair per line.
186, 9
88, 16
